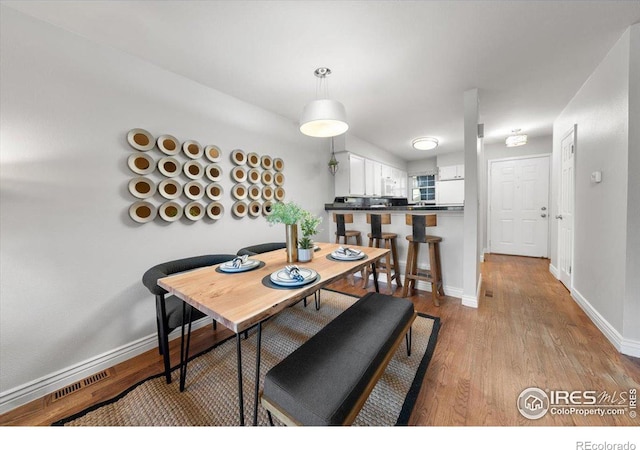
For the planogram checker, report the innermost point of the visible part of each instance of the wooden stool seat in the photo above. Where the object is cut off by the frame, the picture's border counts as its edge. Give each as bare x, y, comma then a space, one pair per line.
378, 238
412, 272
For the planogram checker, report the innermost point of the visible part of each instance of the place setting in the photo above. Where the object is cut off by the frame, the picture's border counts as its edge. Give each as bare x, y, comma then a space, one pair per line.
239, 264
346, 254
290, 277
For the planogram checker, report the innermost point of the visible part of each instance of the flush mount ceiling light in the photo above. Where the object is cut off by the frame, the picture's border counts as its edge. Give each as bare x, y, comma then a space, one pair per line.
516, 139
424, 143
323, 117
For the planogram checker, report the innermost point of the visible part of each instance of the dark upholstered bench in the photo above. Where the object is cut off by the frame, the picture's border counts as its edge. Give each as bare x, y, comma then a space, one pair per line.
327, 380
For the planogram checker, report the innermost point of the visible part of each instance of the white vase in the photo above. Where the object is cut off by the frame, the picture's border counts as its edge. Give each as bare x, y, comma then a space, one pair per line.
305, 254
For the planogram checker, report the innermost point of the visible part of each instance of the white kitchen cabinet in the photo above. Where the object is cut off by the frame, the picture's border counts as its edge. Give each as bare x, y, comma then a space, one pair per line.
450, 192
350, 178
373, 172
455, 172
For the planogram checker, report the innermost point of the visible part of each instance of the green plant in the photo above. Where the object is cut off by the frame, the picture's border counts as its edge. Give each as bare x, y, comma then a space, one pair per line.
309, 225
287, 213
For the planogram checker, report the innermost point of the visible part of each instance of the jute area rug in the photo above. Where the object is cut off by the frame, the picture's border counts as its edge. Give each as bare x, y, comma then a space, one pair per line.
211, 394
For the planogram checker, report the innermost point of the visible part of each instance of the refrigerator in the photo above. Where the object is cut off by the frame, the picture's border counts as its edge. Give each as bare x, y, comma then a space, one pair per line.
450, 192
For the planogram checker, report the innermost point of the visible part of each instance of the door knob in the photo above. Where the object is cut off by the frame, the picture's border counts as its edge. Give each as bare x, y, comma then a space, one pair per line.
543, 215
559, 216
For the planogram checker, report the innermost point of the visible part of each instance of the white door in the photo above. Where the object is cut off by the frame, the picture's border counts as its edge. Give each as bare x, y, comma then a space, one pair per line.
565, 208
518, 206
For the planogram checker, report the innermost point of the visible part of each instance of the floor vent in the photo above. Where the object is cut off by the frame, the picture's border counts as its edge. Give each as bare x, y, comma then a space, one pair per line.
75, 387
488, 293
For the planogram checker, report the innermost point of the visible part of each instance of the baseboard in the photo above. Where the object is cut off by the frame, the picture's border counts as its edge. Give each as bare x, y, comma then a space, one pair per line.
554, 271
470, 300
48, 384
625, 346
451, 291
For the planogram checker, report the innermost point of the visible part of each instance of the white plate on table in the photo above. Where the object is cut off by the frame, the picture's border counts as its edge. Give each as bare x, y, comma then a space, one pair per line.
343, 257
282, 278
247, 265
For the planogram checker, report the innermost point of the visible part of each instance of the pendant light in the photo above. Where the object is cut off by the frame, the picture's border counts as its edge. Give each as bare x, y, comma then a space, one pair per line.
323, 117
333, 162
516, 139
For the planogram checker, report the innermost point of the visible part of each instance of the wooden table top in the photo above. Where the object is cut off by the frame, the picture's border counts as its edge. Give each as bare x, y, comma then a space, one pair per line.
240, 300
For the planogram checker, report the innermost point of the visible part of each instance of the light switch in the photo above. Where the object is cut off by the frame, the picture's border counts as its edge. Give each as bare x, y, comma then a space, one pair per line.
596, 177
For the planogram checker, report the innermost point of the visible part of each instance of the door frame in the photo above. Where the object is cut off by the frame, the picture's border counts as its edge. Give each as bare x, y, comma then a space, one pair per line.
490, 201
572, 131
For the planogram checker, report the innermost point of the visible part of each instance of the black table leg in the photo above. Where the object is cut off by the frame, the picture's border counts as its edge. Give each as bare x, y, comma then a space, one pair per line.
184, 351
239, 356
375, 276
255, 394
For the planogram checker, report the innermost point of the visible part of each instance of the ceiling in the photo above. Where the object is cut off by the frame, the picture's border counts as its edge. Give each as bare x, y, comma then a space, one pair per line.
399, 67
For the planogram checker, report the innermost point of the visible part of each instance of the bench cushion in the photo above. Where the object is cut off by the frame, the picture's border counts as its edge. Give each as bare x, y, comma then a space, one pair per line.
320, 382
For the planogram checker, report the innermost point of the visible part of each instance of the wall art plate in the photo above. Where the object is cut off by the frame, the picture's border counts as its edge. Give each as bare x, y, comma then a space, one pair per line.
168, 145
171, 211
238, 157
267, 177
267, 208
255, 208
278, 178
142, 187
255, 192
194, 211
194, 190
254, 176
239, 174
193, 170
141, 139
253, 160
215, 210
266, 162
239, 192
213, 153
279, 193
214, 191
278, 164
143, 212
192, 149
240, 209
141, 163
267, 193
170, 189
213, 172
169, 166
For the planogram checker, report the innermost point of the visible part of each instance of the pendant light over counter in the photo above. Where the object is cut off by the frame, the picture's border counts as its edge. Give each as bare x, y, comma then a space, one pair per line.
323, 117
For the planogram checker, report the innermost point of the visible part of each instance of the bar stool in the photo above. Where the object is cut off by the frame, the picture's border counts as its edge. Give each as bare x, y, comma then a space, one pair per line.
341, 232
377, 238
419, 224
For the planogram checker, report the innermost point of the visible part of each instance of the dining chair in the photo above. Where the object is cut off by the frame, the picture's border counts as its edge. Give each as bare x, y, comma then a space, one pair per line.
169, 309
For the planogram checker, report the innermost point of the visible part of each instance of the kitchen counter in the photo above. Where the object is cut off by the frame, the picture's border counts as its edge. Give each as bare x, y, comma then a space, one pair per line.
353, 207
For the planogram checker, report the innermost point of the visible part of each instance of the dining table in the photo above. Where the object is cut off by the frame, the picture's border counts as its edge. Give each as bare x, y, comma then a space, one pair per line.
245, 298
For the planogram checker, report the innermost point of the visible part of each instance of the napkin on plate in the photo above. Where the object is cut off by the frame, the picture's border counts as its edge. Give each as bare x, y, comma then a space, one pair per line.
348, 251
294, 273
239, 261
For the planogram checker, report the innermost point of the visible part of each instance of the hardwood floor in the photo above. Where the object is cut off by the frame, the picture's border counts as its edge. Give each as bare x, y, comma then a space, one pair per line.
527, 332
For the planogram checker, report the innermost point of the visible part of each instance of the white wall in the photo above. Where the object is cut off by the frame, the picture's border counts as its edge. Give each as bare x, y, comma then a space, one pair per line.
603, 252
422, 166
71, 259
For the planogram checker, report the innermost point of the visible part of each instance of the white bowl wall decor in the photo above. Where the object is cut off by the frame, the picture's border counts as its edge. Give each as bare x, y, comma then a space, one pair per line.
169, 145
215, 210
194, 190
141, 163
255, 208
267, 177
279, 193
171, 211
254, 176
267, 162
170, 189
169, 167
213, 153
255, 192
213, 172
142, 212
278, 178
194, 211
267, 208
267, 193
253, 160
140, 139
240, 209
278, 164
192, 149
214, 191
193, 170
239, 174
142, 187
239, 192
238, 157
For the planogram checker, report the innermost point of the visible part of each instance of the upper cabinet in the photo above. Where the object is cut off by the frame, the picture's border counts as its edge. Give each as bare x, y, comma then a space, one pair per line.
455, 172
362, 176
